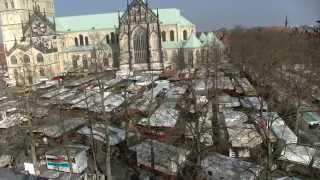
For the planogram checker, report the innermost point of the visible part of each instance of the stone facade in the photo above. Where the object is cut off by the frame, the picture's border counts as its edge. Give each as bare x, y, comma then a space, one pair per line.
38, 45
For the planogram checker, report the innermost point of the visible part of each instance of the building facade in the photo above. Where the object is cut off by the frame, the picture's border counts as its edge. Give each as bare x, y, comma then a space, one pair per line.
39, 45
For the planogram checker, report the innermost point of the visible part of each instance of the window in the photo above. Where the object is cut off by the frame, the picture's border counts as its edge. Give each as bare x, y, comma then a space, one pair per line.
113, 38
12, 4
210, 173
105, 61
42, 72
87, 41
76, 41
140, 46
85, 62
16, 75
75, 61
14, 60
6, 4
190, 58
185, 35
108, 39
26, 59
163, 35
40, 58
171, 35
81, 40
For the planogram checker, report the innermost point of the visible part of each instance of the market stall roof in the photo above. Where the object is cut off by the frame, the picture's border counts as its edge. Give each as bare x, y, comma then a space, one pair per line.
223, 167
300, 154
165, 116
58, 129
117, 135
165, 156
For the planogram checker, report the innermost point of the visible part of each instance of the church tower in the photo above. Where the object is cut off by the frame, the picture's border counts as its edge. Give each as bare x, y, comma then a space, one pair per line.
15, 13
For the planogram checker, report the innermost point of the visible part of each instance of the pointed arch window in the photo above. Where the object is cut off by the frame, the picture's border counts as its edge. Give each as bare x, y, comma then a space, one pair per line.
140, 46
42, 72
185, 35
163, 35
108, 39
113, 38
75, 61
81, 40
6, 4
86, 39
171, 35
14, 60
40, 58
85, 62
76, 41
12, 4
105, 61
16, 75
26, 59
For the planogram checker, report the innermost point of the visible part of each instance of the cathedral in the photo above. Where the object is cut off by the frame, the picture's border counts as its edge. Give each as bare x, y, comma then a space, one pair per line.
39, 45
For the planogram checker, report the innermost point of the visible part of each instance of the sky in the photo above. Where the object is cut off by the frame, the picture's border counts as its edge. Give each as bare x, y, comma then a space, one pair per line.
212, 14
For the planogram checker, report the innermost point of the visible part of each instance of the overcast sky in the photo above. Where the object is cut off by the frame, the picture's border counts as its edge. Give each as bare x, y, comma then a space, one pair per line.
212, 14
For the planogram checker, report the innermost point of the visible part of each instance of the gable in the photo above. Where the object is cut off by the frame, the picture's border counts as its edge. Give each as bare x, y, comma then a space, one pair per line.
38, 25
138, 12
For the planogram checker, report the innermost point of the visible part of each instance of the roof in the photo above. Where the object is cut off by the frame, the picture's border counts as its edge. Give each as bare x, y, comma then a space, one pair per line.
8, 174
165, 156
311, 118
74, 150
56, 130
165, 116
116, 135
172, 44
193, 42
301, 155
279, 127
110, 20
203, 37
223, 167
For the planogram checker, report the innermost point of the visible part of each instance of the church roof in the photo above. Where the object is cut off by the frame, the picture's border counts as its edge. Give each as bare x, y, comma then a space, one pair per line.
110, 20
172, 44
193, 42
203, 37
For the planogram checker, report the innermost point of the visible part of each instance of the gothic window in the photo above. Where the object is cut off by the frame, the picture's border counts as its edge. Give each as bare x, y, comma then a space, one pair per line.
26, 59
12, 4
16, 75
163, 35
113, 38
75, 61
76, 41
81, 40
165, 55
13, 60
6, 4
190, 58
85, 62
87, 41
185, 35
105, 61
171, 35
40, 58
108, 39
140, 46
42, 72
